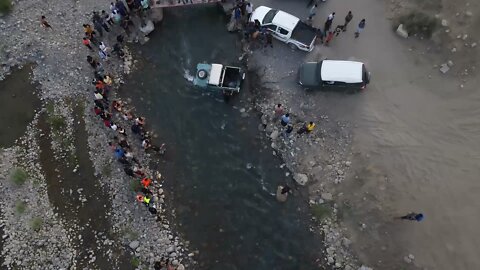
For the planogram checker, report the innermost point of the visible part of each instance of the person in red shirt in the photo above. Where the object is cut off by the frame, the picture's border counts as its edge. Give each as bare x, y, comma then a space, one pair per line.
146, 182
97, 110
86, 42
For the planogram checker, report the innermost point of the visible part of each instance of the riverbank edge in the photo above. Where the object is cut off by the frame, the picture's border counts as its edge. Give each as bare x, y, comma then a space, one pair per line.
321, 176
325, 220
158, 239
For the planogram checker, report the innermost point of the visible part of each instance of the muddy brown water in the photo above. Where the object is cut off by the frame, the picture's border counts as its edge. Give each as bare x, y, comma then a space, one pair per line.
89, 218
18, 103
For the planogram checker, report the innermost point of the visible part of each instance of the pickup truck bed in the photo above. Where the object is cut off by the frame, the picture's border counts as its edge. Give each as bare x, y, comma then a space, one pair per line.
304, 33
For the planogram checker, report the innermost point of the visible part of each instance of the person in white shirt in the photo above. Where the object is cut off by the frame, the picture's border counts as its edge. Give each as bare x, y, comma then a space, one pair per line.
249, 10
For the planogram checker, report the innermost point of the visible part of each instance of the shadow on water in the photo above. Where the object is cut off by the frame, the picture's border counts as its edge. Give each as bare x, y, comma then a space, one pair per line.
18, 104
219, 168
66, 189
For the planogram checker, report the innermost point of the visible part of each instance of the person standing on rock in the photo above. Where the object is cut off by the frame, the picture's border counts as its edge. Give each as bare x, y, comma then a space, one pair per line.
44, 23
306, 128
348, 18
360, 28
287, 131
285, 119
278, 110
87, 43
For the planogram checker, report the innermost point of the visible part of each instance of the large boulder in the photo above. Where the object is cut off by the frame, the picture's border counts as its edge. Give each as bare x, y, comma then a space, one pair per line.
134, 244
147, 28
300, 178
281, 197
402, 31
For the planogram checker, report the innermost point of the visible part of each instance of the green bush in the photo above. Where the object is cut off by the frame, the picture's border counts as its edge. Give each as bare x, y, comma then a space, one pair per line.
19, 176
135, 262
417, 22
5, 6
57, 122
20, 207
50, 107
36, 223
321, 211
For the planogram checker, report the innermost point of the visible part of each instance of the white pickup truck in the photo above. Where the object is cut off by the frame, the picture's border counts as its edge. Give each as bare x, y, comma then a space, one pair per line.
286, 27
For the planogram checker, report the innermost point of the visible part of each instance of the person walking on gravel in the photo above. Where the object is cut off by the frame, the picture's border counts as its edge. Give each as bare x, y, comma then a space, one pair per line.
44, 23
87, 43
348, 18
329, 22
360, 28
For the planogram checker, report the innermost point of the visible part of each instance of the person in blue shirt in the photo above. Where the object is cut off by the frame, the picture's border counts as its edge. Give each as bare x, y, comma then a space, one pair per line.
285, 119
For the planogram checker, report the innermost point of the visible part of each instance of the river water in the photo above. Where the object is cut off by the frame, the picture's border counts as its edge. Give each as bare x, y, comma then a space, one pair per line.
219, 168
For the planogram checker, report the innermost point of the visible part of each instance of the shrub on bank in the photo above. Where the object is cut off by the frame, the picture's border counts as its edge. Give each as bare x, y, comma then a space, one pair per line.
57, 122
19, 176
20, 207
36, 223
5, 6
320, 211
135, 262
417, 22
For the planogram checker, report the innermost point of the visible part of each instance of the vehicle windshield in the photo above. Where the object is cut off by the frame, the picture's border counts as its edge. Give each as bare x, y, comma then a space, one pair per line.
269, 16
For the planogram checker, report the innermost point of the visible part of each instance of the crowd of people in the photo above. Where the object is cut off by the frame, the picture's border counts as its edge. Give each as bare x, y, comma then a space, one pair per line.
326, 36
115, 114
285, 122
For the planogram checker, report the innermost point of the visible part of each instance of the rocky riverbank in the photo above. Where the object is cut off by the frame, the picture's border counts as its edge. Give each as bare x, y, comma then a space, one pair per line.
318, 160
64, 79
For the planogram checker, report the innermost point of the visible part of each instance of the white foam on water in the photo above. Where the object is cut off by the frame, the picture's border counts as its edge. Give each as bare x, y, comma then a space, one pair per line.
187, 75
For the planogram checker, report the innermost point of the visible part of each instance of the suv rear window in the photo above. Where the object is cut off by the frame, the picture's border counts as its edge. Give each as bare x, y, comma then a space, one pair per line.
269, 16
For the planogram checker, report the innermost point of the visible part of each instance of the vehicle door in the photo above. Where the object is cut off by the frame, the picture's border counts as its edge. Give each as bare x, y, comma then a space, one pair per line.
282, 33
271, 27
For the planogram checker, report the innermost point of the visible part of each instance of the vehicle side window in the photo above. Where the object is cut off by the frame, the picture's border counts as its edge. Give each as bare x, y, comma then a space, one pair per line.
282, 31
271, 27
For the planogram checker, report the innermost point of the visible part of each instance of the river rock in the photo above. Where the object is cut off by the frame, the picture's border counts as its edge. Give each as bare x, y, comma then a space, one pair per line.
281, 197
300, 178
402, 31
363, 267
444, 68
327, 196
444, 23
147, 28
180, 267
274, 135
134, 244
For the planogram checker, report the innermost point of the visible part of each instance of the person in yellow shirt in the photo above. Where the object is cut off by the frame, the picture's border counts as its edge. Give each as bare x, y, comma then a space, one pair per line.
310, 126
306, 128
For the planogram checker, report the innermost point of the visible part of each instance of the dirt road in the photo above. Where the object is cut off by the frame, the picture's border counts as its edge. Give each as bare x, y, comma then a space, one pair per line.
415, 144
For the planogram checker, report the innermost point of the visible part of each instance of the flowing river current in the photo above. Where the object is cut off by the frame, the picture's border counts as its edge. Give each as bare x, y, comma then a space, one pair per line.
219, 167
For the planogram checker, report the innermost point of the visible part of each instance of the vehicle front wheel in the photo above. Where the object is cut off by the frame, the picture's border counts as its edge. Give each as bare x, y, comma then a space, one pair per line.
292, 46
